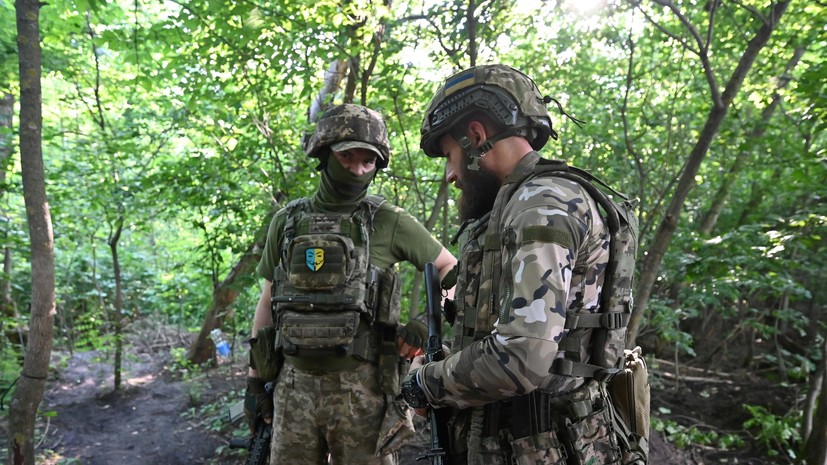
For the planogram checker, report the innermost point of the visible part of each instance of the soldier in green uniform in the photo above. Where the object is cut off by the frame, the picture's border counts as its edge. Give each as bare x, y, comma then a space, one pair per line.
533, 251
332, 293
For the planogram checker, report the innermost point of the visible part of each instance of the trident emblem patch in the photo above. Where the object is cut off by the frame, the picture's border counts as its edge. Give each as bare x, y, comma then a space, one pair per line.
314, 258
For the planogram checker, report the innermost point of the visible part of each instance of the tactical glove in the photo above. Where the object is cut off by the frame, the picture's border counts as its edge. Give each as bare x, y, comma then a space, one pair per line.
257, 402
413, 334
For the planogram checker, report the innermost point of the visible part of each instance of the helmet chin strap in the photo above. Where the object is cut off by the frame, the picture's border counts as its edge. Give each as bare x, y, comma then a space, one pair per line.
475, 153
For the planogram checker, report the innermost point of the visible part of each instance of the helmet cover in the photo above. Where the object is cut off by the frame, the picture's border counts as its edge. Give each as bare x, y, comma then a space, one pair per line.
350, 126
508, 96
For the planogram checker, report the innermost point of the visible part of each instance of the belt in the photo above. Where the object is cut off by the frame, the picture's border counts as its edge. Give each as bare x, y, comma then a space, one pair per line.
325, 364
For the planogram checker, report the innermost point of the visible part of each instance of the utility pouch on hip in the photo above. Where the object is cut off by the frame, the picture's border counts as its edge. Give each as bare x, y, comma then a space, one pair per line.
629, 390
313, 331
542, 448
390, 297
591, 438
266, 355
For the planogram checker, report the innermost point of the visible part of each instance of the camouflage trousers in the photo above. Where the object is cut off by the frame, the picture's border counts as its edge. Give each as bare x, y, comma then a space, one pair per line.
328, 418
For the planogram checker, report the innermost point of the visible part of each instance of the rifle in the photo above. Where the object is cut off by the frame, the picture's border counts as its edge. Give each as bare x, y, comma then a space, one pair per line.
438, 417
258, 445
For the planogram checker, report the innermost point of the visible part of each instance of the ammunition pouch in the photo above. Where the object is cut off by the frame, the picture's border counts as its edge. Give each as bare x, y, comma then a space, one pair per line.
591, 439
304, 330
389, 298
392, 367
265, 354
574, 429
542, 447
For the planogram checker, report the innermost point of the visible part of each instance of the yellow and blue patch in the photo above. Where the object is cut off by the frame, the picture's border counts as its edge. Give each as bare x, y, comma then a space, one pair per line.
314, 257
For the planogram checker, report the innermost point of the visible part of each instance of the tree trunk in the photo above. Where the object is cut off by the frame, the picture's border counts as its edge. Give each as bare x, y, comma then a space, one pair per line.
224, 295
117, 311
471, 26
720, 199
6, 113
815, 448
439, 205
663, 236
29, 391
6, 303
332, 80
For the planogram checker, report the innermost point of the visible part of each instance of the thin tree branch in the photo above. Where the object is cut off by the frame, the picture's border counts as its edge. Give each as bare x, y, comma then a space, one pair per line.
754, 12
703, 54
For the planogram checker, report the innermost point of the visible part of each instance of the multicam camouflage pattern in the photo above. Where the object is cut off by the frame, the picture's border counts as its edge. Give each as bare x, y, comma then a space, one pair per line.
349, 122
552, 248
572, 439
561, 249
464, 92
540, 449
594, 439
340, 412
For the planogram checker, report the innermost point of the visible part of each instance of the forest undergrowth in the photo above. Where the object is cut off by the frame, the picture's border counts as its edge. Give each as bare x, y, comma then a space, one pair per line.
168, 412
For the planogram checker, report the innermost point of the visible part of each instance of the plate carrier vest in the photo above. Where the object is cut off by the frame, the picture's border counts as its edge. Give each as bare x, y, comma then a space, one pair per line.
595, 343
328, 300
607, 327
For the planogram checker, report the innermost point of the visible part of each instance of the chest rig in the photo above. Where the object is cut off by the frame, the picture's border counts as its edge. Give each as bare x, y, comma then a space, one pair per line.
546, 427
595, 341
328, 301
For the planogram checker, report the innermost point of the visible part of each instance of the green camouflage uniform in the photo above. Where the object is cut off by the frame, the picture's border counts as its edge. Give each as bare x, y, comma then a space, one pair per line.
339, 409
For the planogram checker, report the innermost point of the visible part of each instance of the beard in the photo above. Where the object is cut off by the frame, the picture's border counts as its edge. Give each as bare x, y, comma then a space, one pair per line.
479, 190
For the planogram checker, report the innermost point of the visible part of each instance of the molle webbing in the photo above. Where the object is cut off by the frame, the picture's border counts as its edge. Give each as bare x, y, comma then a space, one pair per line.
329, 302
608, 327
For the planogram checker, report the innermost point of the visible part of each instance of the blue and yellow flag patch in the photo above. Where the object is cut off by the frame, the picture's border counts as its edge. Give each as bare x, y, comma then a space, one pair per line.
459, 82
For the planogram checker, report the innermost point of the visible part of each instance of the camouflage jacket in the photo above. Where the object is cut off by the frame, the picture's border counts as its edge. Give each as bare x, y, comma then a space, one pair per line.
552, 247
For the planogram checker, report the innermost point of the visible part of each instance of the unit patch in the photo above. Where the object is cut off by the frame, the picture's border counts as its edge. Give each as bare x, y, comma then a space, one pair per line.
314, 258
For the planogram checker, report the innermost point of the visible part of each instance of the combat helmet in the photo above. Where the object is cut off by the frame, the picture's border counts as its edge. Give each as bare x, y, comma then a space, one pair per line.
508, 96
349, 126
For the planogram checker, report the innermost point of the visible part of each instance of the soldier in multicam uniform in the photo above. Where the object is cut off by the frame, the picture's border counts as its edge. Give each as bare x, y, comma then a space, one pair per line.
330, 401
532, 249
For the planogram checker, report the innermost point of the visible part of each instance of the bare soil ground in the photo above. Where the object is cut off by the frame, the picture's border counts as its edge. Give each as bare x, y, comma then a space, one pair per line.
163, 414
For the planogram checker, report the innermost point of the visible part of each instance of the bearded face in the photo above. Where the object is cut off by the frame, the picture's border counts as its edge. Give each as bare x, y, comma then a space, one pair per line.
479, 190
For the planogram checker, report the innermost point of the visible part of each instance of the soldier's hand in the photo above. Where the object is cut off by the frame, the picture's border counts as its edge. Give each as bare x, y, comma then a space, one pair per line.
416, 363
257, 402
411, 338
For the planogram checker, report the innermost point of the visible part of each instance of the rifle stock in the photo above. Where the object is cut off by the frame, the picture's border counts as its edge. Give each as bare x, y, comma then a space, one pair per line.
438, 417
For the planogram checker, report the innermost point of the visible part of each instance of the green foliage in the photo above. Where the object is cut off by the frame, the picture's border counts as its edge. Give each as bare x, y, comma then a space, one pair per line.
695, 435
185, 120
778, 435
665, 321
180, 362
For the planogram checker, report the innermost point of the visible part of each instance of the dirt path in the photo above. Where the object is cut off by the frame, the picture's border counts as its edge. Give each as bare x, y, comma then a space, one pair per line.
147, 421
168, 416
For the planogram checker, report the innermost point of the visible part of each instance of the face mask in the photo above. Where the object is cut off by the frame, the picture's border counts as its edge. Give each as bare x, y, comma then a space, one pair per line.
339, 189
345, 182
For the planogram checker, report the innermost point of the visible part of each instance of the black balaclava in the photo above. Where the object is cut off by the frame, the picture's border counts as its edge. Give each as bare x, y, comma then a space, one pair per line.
339, 189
